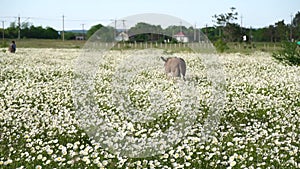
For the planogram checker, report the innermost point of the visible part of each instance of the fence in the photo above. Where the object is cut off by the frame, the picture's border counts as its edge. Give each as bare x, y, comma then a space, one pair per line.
202, 46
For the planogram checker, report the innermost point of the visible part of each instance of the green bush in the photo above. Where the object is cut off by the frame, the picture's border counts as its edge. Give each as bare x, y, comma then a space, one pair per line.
221, 45
4, 44
289, 54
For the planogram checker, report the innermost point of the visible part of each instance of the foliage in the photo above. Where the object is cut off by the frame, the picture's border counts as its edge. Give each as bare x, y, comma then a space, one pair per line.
223, 19
39, 33
141, 27
4, 44
281, 31
261, 35
93, 29
226, 24
296, 26
221, 45
289, 53
211, 33
69, 35
151, 37
232, 32
27, 31
144, 32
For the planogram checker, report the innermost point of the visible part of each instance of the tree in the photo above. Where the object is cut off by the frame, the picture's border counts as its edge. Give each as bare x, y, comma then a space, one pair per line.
142, 27
281, 31
211, 33
25, 25
225, 23
261, 35
232, 32
93, 29
69, 35
296, 26
271, 33
296, 20
228, 30
50, 33
104, 34
13, 25
171, 30
144, 32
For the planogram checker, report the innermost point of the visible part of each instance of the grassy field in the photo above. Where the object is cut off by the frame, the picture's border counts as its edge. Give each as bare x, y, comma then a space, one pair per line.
255, 46
259, 126
47, 43
234, 47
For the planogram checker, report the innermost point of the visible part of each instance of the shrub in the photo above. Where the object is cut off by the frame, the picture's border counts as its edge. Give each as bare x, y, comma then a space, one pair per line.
4, 44
289, 54
221, 45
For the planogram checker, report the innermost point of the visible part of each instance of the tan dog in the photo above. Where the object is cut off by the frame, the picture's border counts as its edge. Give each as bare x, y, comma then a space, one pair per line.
175, 66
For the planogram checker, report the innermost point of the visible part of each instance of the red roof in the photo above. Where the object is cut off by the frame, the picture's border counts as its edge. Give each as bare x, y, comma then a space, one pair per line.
179, 34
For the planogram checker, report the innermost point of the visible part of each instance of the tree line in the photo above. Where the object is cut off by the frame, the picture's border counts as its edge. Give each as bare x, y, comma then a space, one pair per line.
232, 32
27, 30
225, 28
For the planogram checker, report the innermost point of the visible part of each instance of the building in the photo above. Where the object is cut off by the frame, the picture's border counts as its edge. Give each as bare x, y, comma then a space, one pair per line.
122, 37
79, 37
180, 37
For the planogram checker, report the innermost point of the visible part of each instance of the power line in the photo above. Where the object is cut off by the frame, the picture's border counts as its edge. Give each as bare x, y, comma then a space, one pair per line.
63, 31
25, 18
53, 21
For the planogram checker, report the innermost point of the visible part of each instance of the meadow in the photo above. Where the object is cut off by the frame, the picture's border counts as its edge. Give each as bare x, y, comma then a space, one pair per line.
259, 126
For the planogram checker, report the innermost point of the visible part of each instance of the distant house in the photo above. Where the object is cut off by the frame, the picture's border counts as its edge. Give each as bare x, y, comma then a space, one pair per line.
180, 37
122, 37
79, 37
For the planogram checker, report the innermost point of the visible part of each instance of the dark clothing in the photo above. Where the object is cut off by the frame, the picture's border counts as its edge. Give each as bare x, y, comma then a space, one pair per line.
13, 48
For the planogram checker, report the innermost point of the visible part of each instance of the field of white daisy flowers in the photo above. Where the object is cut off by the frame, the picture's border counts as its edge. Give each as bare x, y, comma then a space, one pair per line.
259, 126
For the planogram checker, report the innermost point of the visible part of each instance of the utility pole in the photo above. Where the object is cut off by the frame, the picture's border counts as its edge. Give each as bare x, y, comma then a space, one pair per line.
83, 31
181, 38
251, 37
124, 30
291, 28
63, 31
19, 27
199, 35
242, 25
115, 36
115, 31
206, 31
195, 33
180, 26
124, 27
3, 31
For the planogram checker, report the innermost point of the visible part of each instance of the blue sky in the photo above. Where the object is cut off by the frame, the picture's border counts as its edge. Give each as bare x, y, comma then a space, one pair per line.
255, 13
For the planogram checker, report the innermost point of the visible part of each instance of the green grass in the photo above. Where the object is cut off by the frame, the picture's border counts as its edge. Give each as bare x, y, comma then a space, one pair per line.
253, 47
48, 43
234, 47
